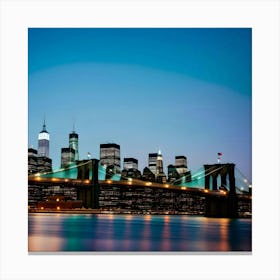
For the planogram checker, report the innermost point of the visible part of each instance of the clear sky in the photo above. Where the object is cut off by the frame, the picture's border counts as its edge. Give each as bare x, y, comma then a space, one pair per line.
185, 91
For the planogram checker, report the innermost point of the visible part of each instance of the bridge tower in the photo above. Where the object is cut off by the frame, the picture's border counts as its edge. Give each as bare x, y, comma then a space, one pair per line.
89, 194
217, 205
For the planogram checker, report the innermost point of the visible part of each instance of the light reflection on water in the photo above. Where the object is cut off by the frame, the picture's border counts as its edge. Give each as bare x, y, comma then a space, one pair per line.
63, 232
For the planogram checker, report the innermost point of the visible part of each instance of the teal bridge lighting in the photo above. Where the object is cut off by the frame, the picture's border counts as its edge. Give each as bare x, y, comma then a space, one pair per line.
243, 184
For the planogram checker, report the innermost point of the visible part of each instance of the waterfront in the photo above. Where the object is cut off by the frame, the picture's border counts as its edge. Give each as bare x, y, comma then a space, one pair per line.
56, 232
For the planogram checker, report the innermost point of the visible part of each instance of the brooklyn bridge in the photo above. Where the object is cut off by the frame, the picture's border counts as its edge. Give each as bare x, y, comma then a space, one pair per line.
216, 190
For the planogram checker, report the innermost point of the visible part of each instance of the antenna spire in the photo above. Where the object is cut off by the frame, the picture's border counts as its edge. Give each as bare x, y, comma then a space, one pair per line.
44, 123
73, 125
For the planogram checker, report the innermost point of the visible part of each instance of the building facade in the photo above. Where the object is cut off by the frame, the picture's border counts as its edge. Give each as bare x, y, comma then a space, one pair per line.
160, 176
32, 161
173, 174
181, 164
110, 156
179, 171
152, 161
148, 175
130, 163
67, 157
44, 164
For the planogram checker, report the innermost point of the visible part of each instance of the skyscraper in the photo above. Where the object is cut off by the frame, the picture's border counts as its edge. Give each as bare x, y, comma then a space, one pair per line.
159, 164
43, 142
44, 163
73, 143
110, 156
160, 176
153, 162
181, 164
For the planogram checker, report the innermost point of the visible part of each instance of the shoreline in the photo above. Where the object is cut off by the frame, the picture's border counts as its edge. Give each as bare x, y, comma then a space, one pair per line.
108, 212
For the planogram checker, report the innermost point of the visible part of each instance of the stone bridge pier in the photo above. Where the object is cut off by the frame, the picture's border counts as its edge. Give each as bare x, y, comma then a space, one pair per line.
89, 194
219, 205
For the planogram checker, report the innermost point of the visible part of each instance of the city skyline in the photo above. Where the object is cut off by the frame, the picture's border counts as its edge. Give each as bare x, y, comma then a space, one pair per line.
69, 147
183, 91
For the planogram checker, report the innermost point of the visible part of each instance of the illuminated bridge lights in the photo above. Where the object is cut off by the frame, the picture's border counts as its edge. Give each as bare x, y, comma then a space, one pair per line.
148, 184
166, 185
183, 188
206, 191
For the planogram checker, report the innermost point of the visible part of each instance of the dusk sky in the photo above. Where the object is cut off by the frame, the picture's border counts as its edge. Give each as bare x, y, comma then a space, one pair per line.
184, 91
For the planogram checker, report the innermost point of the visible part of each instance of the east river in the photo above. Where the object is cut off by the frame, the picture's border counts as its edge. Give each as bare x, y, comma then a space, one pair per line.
56, 232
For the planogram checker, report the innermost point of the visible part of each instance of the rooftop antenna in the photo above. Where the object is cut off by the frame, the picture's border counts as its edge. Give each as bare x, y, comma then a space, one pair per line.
44, 122
73, 125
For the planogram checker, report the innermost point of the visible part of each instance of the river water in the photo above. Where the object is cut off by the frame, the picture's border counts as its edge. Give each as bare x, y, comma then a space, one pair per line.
136, 233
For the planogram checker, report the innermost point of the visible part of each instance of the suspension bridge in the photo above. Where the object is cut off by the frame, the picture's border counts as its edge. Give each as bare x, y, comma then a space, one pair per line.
221, 185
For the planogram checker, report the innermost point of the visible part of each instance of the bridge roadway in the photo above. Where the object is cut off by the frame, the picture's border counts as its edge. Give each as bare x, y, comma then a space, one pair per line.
36, 180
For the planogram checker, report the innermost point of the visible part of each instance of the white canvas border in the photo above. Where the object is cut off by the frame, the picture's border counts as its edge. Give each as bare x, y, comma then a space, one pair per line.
17, 16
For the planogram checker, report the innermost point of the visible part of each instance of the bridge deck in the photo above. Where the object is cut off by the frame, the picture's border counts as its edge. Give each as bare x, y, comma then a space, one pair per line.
36, 180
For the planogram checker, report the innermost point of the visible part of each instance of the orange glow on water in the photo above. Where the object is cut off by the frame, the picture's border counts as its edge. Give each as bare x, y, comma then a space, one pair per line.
147, 218
128, 217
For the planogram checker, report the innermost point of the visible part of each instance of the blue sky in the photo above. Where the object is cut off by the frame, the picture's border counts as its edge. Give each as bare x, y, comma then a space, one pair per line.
185, 91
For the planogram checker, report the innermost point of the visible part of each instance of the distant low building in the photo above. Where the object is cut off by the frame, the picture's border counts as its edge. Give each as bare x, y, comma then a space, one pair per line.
58, 202
173, 174
32, 161
130, 163
148, 175
179, 171
131, 173
44, 164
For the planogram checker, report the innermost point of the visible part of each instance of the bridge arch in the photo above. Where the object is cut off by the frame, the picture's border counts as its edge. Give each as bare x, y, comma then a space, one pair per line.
224, 172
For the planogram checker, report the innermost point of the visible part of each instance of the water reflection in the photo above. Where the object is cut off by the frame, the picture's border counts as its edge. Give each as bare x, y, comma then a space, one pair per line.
224, 225
57, 232
165, 244
146, 234
45, 243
